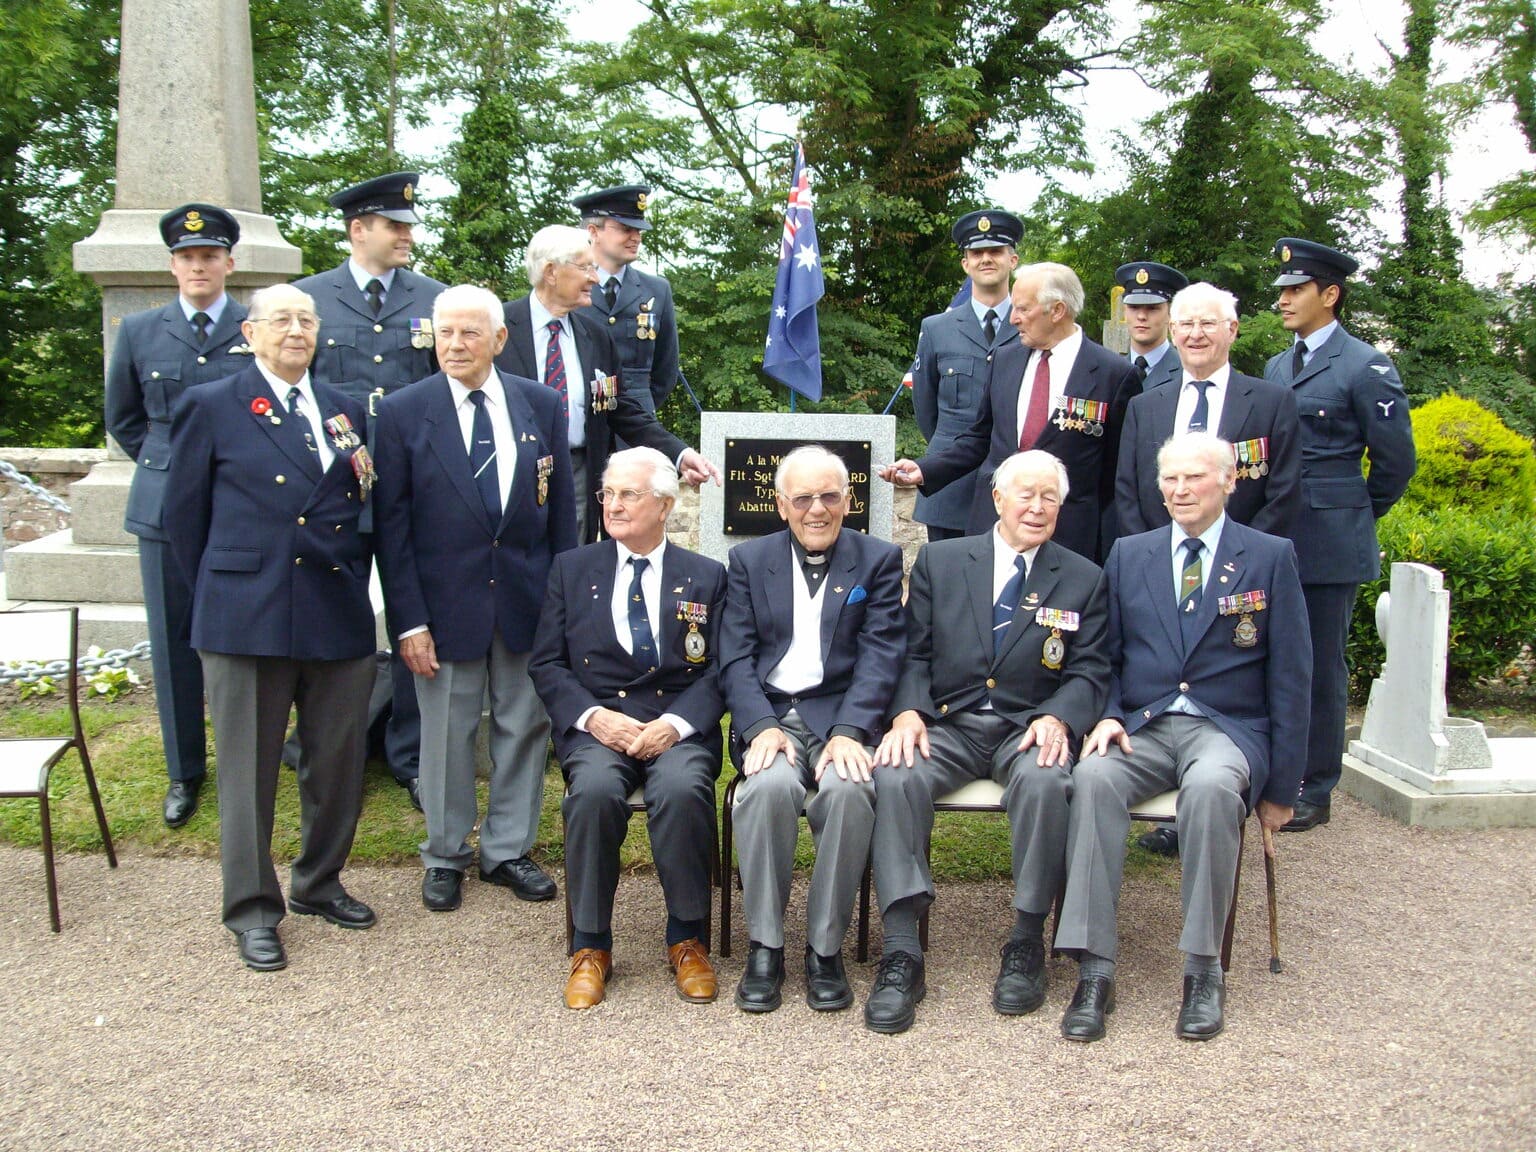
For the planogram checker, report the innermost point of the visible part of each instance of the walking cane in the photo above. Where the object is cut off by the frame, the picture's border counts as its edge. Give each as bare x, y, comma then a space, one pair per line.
1269, 884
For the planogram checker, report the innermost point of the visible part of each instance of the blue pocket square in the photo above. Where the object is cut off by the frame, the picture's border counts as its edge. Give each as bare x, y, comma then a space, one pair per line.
857, 594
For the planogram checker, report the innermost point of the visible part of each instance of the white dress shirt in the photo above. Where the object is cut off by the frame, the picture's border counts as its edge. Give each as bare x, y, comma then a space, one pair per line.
575, 385
1178, 557
1063, 357
310, 411
1215, 399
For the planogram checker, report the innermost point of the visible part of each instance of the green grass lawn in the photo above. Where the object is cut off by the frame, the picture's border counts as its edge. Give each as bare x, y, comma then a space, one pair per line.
124, 739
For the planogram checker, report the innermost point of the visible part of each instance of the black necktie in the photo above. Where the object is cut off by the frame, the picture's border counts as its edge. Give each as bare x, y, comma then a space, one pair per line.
375, 292
639, 621
1002, 611
611, 293
482, 457
989, 325
1191, 587
1142, 366
1201, 416
300, 421
814, 566
1298, 358
200, 325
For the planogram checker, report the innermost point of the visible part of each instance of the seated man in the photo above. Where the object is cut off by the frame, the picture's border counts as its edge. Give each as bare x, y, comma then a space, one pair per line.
633, 695
1210, 673
811, 635
1005, 668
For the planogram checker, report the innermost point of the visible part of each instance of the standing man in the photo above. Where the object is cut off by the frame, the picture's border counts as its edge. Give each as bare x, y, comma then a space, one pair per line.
635, 306
552, 337
1148, 289
1005, 673
267, 482
1351, 403
377, 338
159, 354
1055, 390
812, 631
954, 354
626, 660
1208, 692
475, 501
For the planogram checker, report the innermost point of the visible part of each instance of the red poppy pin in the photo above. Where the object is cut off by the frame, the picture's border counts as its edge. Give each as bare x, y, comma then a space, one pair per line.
261, 406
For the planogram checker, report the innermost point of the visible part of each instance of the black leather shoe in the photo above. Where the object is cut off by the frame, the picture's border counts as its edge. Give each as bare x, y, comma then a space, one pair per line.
1020, 987
899, 987
1200, 1014
181, 801
1093, 1000
344, 911
1163, 840
261, 950
413, 787
826, 984
440, 889
761, 986
526, 879
1305, 816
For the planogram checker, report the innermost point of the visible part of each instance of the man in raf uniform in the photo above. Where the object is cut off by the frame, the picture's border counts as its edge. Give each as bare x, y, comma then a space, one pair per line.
954, 353
158, 355
376, 337
635, 306
1148, 289
1351, 403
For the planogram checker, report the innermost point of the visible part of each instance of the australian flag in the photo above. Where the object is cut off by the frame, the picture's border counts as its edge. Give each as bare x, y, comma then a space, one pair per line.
792, 354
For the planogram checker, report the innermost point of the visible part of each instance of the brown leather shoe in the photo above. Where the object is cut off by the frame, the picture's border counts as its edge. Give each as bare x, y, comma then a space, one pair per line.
590, 970
695, 975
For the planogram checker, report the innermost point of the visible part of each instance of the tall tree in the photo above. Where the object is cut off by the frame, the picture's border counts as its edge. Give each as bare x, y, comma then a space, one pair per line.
1503, 35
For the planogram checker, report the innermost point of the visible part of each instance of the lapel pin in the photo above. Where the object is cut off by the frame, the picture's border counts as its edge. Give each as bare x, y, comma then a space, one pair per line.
1227, 567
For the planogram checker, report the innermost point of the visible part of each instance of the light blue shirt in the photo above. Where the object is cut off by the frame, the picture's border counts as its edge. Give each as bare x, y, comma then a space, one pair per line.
981, 311
213, 311
1310, 344
361, 276
1209, 539
1153, 356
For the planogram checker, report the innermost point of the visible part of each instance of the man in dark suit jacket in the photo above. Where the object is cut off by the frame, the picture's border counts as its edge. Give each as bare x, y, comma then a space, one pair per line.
1055, 390
1005, 672
626, 660
157, 356
1210, 662
1148, 288
582, 365
268, 478
811, 637
1352, 404
475, 500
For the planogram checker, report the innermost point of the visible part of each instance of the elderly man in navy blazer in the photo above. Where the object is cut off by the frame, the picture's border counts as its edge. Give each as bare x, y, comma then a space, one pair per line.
474, 502
812, 633
157, 356
552, 336
1211, 673
626, 660
1055, 390
268, 479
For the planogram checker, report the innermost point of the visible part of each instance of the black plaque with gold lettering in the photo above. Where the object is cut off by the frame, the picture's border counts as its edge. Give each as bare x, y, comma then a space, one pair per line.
749, 469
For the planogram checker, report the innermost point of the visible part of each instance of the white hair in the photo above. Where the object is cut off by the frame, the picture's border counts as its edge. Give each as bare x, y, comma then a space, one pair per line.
470, 298
1058, 285
1191, 298
663, 474
552, 245
260, 303
1035, 458
1206, 445
813, 454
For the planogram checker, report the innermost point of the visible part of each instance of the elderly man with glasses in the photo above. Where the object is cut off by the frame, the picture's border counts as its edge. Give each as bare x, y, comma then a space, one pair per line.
812, 631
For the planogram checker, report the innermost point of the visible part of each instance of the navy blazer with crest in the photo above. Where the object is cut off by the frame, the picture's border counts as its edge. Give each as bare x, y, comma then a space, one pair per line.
444, 564
269, 544
578, 662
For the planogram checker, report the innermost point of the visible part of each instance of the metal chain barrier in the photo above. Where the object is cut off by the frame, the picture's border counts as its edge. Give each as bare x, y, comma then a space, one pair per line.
29, 672
8, 470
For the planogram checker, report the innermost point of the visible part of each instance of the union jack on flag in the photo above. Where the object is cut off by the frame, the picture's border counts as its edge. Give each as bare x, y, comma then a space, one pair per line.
792, 353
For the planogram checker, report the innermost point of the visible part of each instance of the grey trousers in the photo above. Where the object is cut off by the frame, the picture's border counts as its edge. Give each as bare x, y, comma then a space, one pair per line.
680, 813
450, 717
767, 823
248, 699
966, 747
1174, 751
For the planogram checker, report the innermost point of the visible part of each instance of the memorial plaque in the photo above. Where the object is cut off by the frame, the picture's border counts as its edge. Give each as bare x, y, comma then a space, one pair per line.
749, 468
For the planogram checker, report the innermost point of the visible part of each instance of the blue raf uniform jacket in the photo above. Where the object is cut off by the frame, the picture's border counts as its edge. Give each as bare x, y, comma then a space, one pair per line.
949, 376
578, 662
155, 359
443, 563
1351, 402
648, 366
270, 546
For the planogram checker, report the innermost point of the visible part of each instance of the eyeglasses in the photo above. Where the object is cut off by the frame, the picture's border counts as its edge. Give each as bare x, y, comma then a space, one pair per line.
1207, 326
308, 321
584, 268
831, 501
627, 498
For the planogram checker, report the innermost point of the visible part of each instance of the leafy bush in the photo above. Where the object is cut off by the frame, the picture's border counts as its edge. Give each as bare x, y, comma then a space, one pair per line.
1489, 562
1470, 460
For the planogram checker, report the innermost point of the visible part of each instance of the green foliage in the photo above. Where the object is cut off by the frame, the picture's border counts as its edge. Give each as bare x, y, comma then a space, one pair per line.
1502, 36
1489, 562
1468, 459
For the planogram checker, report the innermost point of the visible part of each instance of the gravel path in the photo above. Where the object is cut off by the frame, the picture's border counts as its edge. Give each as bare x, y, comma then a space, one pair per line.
1405, 1019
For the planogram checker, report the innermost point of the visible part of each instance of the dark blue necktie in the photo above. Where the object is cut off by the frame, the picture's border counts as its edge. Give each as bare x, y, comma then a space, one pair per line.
482, 457
301, 432
1191, 587
639, 622
1298, 358
1202, 413
1002, 611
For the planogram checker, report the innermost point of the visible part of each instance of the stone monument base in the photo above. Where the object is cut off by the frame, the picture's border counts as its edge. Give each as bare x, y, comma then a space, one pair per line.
1500, 796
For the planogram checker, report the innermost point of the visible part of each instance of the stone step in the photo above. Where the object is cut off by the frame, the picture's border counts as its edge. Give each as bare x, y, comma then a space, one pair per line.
55, 568
97, 502
107, 625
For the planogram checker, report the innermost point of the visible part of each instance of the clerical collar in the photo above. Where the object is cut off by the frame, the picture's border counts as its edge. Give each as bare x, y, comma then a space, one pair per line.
812, 564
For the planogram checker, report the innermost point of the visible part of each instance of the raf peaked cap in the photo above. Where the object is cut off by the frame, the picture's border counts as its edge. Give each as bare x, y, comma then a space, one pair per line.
1149, 283
392, 197
199, 225
988, 228
1303, 260
626, 204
